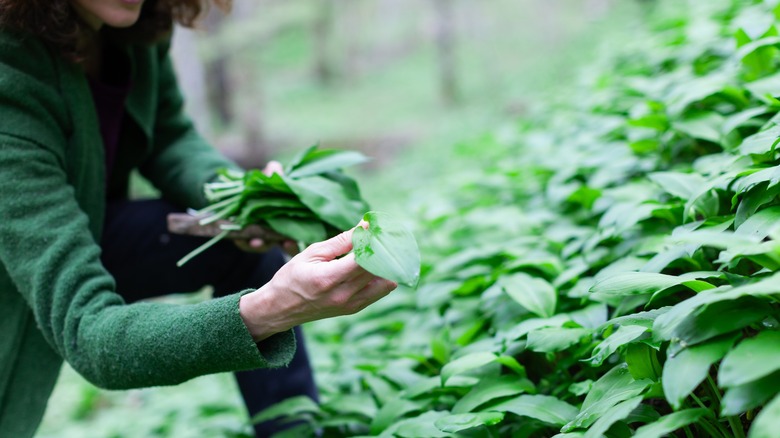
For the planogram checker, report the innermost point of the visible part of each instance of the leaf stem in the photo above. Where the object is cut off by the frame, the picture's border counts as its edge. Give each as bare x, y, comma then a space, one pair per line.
213, 241
734, 423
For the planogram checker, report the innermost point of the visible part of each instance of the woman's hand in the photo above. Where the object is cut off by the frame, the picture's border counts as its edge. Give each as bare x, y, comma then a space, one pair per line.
314, 285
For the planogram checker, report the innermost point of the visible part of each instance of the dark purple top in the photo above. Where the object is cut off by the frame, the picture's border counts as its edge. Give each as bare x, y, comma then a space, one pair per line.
109, 94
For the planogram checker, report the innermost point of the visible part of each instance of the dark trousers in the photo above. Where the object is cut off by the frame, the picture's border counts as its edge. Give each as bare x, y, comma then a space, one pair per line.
141, 255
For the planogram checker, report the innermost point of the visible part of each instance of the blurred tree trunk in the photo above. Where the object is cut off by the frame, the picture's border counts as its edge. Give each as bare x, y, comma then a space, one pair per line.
220, 90
192, 78
445, 35
324, 69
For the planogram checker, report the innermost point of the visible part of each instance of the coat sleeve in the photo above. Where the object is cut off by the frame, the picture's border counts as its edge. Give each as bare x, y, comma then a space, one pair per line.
181, 161
53, 260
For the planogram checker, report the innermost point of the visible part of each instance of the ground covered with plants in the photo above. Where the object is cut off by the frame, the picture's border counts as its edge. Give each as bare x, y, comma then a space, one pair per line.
612, 273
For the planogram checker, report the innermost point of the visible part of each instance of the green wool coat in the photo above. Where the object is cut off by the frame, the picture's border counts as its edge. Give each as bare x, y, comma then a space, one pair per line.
57, 301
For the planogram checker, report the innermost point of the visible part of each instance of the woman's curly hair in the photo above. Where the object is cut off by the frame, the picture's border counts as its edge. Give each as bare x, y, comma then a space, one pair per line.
56, 22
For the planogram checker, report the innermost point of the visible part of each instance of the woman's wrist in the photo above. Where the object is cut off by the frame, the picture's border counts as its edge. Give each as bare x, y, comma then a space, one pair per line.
258, 315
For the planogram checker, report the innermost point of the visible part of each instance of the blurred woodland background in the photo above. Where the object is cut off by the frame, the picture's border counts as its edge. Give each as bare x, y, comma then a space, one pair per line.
275, 76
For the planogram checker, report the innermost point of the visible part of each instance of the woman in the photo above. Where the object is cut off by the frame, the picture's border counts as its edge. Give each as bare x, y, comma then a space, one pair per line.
87, 93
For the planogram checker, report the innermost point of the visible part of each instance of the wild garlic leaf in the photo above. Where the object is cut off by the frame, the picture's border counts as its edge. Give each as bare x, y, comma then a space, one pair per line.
387, 249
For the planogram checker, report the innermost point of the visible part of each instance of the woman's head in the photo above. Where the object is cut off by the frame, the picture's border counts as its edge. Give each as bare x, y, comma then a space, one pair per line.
63, 23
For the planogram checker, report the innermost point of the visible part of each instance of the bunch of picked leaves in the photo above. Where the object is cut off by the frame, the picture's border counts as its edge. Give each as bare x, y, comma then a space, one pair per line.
310, 202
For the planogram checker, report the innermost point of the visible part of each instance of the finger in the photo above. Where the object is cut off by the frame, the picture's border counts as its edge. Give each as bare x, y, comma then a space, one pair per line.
331, 248
374, 290
273, 167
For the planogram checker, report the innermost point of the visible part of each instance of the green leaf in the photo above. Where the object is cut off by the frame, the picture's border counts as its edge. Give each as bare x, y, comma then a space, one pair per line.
329, 200
549, 340
615, 386
361, 403
300, 230
739, 399
535, 294
767, 423
705, 126
459, 422
324, 161
392, 410
421, 426
761, 143
287, 408
681, 185
684, 371
544, 408
492, 388
719, 318
666, 325
670, 423
623, 335
618, 412
751, 359
642, 361
760, 224
639, 283
466, 363
387, 249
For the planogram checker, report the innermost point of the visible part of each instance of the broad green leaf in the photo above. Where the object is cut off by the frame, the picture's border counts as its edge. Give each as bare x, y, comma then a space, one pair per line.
762, 142
751, 179
667, 324
287, 408
535, 294
466, 363
639, 283
300, 230
623, 335
642, 361
549, 340
644, 319
754, 199
720, 318
739, 399
618, 412
615, 386
734, 121
670, 423
760, 224
361, 403
329, 200
767, 422
763, 87
387, 249
704, 126
326, 160
392, 410
581, 388
459, 422
420, 426
492, 388
681, 185
532, 324
544, 408
684, 371
751, 359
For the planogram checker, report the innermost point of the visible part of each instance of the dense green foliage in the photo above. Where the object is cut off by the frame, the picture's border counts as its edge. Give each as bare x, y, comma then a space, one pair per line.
613, 273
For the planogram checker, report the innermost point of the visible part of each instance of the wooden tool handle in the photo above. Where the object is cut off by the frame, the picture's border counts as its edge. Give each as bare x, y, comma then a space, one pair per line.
183, 223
